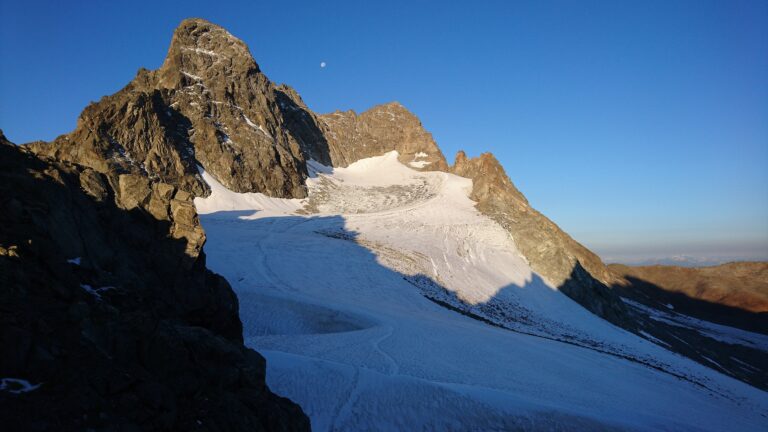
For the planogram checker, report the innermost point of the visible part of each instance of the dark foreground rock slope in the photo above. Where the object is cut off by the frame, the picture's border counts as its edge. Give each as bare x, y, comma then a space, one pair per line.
109, 319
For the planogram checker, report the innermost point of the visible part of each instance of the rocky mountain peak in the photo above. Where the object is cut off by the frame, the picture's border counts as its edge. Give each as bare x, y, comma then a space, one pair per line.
383, 128
208, 105
492, 180
461, 158
202, 50
3, 139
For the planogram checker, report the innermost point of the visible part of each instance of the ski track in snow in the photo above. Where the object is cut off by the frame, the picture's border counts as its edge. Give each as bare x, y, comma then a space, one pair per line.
345, 402
394, 367
336, 302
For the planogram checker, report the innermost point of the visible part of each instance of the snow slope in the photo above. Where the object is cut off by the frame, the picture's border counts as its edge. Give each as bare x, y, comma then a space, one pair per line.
354, 296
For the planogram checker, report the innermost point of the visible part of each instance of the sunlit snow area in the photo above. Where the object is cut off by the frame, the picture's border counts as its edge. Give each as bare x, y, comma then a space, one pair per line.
358, 297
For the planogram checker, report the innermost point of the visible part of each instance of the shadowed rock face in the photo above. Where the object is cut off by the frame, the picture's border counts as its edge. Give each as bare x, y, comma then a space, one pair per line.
742, 285
110, 314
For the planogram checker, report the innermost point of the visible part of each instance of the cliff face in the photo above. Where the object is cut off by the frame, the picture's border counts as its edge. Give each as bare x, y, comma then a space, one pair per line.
109, 317
381, 129
209, 104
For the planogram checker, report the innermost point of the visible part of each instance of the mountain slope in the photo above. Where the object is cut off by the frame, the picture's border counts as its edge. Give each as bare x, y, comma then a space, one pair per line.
372, 300
209, 104
552, 253
742, 285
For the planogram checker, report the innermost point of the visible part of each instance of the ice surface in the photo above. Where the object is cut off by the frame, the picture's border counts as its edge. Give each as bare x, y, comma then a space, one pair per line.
202, 51
194, 77
340, 292
255, 126
416, 163
419, 164
96, 292
17, 385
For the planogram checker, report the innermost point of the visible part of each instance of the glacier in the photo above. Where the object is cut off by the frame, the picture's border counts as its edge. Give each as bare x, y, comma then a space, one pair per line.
386, 301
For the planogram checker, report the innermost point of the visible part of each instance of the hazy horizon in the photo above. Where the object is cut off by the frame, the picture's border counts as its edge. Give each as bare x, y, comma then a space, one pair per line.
639, 128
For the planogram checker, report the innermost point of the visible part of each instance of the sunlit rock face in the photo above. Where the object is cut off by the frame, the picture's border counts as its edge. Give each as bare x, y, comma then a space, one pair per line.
381, 129
208, 104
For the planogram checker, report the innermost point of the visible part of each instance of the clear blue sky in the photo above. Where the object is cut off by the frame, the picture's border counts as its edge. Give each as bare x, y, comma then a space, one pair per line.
641, 128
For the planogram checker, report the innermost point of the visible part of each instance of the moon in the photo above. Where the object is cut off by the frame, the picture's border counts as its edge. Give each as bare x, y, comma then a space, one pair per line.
322, 64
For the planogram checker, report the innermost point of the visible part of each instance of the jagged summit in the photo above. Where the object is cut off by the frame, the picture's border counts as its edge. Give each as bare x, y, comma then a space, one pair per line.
488, 170
380, 129
207, 105
200, 49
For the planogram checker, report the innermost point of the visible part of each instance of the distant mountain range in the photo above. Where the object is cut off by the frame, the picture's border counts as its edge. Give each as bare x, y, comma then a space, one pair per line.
677, 260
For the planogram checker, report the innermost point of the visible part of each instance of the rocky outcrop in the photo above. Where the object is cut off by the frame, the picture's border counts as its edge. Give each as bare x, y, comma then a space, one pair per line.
552, 253
379, 130
208, 104
343, 137
108, 316
132, 132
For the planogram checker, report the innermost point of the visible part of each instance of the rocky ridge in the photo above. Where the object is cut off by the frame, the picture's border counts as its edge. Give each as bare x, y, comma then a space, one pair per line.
552, 253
